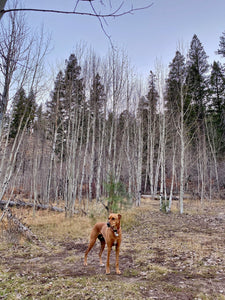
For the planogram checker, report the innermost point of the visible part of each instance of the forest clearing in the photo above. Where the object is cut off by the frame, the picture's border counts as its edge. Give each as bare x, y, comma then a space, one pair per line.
91, 135
163, 256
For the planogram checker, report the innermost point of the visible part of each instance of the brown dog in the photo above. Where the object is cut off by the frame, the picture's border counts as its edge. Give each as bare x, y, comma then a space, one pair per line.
108, 233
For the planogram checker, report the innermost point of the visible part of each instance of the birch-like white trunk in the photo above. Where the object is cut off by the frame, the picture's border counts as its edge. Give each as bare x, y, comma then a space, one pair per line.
92, 157
84, 159
100, 156
182, 148
139, 164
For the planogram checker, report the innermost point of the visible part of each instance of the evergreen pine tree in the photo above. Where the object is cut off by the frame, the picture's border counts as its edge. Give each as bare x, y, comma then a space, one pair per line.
97, 96
174, 84
216, 113
152, 95
55, 105
67, 95
66, 98
24, 109
197, 68
221, 49
31, 108
74, 88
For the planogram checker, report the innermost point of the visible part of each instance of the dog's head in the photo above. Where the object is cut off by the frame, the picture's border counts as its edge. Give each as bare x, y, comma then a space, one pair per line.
114, 221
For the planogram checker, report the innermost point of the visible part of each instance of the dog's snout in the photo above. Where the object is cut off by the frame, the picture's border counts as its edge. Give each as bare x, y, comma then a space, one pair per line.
108, 224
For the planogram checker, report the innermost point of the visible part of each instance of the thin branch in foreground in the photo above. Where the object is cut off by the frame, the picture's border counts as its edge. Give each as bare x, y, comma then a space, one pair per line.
102, 26
115, 13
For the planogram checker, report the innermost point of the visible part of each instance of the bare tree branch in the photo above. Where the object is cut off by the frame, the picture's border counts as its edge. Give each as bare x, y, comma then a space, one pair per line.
101, 24
116, 13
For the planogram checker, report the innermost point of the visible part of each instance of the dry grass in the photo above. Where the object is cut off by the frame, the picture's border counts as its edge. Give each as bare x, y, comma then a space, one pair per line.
162, 256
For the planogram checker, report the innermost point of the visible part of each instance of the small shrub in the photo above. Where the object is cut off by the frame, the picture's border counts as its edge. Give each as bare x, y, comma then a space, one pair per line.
117, 195
165, 206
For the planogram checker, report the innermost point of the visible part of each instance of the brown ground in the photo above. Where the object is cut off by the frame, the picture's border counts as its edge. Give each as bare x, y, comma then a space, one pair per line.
163, 256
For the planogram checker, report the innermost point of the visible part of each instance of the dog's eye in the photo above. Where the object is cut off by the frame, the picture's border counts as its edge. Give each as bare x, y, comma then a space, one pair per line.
113, 219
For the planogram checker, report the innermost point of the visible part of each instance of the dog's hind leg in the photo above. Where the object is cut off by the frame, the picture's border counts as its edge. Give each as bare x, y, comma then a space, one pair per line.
91, 244
101, 250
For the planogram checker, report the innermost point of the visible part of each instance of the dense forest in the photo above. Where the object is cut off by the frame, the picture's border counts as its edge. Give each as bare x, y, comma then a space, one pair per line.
100, 132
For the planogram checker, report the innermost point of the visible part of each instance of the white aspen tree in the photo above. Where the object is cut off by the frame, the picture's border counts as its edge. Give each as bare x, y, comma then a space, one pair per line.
147, 167
203, 165
158, 163
128, 128
162, 161
139, 148
92, 155
210, 139
120, 154
139, 164
53, 147
153, 99
100, 160
12, 159
11, 52
183, 144
182, 149
72, 113
85, 157
173, 175
35, 171
72, 159
94, 114
79, 159
117, 68
69, 150
130, 85
111, 67
51, 163
177, 95
21, 58
152, 133
162, 132
4, 142
114, 115
127, 149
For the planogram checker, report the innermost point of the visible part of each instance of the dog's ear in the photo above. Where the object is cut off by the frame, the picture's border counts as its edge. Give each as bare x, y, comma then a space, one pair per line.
119, 216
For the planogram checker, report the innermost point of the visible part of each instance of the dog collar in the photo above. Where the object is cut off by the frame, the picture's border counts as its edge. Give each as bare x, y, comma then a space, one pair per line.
115, 232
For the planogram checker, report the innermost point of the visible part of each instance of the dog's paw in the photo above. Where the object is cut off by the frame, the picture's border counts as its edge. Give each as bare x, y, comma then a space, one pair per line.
118, 272
102, 265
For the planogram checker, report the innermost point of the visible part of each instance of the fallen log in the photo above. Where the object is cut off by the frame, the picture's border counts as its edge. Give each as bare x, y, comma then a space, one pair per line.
157, 197
21, 228
21, 203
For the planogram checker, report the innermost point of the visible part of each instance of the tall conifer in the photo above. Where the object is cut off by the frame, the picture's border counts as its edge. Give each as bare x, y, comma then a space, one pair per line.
175, 82
221, 49
197, 68
23, 114
216, 112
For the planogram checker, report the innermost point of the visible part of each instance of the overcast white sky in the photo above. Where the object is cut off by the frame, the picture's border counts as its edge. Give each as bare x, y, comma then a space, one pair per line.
146, 35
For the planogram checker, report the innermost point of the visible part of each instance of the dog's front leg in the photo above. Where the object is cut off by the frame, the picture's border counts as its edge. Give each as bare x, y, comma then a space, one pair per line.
108, 257
117, 258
